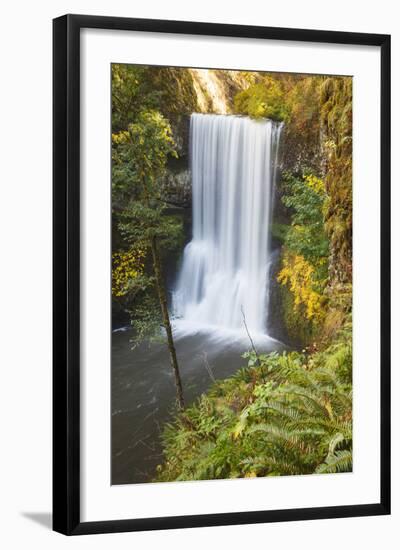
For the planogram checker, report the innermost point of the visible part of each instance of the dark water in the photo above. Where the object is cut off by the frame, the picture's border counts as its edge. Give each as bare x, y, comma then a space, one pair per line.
143, 392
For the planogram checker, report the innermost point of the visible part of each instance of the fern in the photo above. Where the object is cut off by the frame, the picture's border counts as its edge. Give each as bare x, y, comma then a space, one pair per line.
290, 415
341, 461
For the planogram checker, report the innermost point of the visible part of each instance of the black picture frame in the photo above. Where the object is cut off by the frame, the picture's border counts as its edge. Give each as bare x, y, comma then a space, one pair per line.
66, 272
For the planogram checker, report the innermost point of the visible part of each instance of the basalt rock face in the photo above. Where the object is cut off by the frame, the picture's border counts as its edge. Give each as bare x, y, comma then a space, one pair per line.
181, 132
276, 323
302, 150
176, 184
176, 187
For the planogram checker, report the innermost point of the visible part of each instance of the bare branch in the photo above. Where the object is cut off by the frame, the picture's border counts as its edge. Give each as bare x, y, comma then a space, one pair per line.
208, 367
250, 338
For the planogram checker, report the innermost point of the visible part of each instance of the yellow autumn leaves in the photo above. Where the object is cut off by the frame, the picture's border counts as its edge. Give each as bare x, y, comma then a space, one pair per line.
314, 183
120, 137
125, 267
297, 274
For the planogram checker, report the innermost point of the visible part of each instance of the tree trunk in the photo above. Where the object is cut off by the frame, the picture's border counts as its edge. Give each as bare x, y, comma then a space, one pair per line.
166, 321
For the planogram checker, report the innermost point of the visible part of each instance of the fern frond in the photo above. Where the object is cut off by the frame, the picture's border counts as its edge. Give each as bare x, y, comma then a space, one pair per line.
340, 461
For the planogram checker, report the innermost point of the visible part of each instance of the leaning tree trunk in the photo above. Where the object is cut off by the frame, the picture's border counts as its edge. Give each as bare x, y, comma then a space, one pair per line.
166, 321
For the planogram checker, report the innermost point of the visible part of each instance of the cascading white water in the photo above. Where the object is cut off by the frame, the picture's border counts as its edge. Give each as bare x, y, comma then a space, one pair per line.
224, 274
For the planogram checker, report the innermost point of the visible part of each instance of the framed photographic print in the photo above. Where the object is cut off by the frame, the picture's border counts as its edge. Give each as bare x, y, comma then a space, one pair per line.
221, 274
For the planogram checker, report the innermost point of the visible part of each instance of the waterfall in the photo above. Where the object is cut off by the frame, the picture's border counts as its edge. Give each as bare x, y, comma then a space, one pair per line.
224, 276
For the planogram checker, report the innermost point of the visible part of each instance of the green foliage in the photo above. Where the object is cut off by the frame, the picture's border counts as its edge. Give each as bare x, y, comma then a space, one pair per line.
290, 415
139, 223
141, 147
305, 198
263, 100
132, 92
140, 88
139, 157
145, 315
